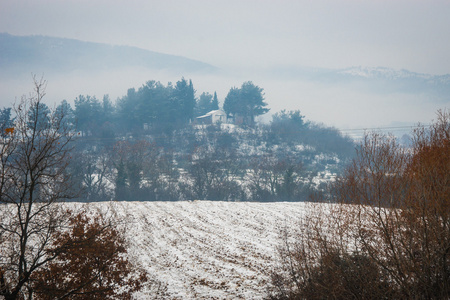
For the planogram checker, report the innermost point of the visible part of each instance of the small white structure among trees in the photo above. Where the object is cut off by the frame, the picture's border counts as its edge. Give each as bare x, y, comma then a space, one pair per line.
214, 116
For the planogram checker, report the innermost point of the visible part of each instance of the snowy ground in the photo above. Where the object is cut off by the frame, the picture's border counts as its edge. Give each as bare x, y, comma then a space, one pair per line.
204, 249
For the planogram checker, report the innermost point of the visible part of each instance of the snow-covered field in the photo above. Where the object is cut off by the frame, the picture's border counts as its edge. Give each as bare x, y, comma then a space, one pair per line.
203, 249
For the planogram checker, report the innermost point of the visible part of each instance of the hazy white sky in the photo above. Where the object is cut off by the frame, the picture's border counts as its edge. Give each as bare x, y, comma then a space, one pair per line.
410, 34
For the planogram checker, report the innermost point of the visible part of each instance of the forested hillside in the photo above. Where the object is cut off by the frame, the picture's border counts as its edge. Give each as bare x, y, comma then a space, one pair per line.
148, 146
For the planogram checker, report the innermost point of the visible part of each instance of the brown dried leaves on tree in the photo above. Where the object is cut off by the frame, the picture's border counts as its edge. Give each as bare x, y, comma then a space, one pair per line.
392, 221
90, 264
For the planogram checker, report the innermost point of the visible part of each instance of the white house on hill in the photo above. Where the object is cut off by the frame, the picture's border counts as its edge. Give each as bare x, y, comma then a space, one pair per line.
214, 116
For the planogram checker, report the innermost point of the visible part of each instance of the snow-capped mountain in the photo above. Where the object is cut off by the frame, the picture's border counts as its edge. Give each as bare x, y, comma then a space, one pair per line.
388, 80
382, 72
392, 74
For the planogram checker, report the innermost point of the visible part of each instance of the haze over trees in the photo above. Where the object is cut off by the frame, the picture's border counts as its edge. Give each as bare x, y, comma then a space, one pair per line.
146, 146
100, 68
162, 108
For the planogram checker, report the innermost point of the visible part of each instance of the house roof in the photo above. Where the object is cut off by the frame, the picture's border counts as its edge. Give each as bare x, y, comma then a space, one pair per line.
213, 112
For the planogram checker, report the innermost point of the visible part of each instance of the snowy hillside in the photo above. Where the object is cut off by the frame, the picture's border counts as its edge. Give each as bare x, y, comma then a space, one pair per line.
203, 249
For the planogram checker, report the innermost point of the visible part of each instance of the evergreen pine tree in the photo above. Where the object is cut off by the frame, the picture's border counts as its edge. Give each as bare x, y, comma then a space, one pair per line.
215, 102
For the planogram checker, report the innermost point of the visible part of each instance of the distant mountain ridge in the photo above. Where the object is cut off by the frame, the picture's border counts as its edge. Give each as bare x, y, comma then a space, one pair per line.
391, 74
42, 54
402, 80
376, 79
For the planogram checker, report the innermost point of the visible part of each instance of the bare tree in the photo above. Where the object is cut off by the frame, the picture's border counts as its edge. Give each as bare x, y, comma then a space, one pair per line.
213, 172
34, 157
403, 208
92, 170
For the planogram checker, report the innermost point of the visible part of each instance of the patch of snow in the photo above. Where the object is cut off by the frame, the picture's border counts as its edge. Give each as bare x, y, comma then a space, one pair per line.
204, 249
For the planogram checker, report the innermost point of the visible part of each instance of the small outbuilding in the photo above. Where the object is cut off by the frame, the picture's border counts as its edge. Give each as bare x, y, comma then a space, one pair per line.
214, 116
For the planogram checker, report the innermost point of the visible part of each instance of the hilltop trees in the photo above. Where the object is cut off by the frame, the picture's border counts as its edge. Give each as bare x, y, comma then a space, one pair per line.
206, 103
215, 102
184, 102
87, 114
232, 103
161, 108
246, 102
153, 106
105, 164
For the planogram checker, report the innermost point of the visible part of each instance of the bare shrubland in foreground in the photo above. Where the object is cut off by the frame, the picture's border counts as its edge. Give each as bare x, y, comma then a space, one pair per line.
45, 250
389, 234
